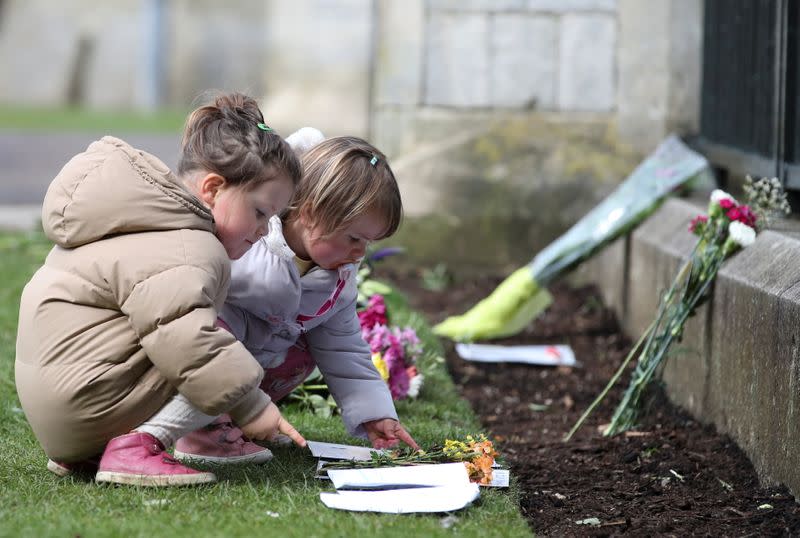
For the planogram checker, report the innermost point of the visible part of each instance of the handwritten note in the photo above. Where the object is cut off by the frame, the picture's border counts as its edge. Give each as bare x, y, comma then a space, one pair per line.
556, 355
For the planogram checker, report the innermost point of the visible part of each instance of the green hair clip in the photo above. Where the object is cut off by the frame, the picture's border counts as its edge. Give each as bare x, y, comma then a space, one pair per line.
265, 127
374, 160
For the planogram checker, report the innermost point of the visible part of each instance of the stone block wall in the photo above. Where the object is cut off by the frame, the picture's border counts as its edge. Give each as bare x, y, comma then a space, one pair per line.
505, 120
738, 365
512, 55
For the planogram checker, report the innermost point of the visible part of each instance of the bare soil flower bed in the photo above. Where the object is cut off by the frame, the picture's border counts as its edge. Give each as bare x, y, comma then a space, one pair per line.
671, 477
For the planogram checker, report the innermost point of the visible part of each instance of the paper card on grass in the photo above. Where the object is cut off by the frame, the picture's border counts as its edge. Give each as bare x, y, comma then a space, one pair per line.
558, 355
332, 451
440, 474
404, 501
500, 479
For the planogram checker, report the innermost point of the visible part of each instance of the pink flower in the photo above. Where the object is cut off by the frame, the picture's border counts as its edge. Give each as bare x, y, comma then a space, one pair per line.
374, 313
397, 347
376, 336
727, 203
398, 379
733, 213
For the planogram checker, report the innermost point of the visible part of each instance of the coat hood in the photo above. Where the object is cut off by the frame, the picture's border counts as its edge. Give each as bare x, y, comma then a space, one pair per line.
113, 188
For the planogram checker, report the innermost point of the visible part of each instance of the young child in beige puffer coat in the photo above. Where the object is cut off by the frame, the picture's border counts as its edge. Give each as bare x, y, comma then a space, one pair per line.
118, 352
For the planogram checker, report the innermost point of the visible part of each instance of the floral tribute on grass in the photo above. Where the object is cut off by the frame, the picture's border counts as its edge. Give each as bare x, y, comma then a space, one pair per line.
477, 454
394, 350
728, 227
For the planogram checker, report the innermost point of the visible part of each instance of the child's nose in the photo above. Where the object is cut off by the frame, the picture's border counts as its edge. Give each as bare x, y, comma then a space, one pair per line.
262, 229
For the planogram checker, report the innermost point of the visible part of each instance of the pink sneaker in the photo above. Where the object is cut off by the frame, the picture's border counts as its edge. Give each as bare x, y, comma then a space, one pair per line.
85, 467
139, 459
220, 442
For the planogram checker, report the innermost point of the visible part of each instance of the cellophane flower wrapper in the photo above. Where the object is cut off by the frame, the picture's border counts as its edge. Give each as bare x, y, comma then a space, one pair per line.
523, 296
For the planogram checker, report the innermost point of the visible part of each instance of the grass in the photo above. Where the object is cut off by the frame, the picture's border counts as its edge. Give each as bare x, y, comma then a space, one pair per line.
79, 119
280, 498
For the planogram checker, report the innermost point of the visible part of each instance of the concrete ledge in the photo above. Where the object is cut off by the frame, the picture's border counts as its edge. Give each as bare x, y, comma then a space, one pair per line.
738, 365
20, 217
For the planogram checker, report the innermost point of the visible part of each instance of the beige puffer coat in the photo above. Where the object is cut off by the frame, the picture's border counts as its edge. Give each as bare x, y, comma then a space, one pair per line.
122, 314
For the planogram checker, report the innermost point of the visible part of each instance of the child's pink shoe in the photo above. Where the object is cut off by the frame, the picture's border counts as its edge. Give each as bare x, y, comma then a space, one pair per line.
85, 467
220, 442
139, 459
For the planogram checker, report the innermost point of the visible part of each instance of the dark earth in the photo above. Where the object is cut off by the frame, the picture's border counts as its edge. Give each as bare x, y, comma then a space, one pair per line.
671, 477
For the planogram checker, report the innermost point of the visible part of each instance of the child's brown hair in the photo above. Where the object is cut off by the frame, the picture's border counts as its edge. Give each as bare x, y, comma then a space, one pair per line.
343, 178
229, 137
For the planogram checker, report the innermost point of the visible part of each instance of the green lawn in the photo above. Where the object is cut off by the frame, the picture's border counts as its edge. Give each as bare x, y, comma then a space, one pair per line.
280, 498
79, 119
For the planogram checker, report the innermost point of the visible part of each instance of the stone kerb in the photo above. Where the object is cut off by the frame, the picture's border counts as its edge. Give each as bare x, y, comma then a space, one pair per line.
738, 365
753, 394
658, 249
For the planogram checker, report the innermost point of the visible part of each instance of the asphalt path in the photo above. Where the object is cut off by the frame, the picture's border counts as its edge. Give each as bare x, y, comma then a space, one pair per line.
30, 160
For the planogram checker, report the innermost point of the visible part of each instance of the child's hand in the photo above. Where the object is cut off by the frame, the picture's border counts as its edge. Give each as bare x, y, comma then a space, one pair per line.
387, 432
268, 423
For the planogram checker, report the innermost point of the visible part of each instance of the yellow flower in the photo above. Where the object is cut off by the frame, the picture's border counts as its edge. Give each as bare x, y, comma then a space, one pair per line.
455, 448
381, 365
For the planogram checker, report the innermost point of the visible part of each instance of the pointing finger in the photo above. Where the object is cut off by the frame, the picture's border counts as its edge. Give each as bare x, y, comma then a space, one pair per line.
289, 430
406, 438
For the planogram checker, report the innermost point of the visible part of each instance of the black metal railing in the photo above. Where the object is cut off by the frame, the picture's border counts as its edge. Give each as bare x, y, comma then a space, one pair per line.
750, 119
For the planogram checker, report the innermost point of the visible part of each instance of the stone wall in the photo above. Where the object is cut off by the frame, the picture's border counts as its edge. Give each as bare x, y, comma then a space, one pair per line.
738, 365
505, 120
512, 55
510, 119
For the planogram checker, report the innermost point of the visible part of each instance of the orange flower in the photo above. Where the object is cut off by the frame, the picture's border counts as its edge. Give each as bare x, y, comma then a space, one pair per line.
480, 470
479, 467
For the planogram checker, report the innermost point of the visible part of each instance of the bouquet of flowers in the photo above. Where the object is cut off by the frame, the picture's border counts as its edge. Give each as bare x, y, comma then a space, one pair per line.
523, 296
477, 454
394, 350
728, 227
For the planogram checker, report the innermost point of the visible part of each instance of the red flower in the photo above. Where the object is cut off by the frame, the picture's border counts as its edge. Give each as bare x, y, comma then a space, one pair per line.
697, 224
734, 213
746, 216
374, 314
727, 203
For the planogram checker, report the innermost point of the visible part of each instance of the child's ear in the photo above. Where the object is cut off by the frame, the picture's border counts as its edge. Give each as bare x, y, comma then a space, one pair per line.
304, 216
209, 187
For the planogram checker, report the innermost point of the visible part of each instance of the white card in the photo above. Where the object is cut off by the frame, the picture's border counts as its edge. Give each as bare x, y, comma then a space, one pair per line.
332, 451
559, 355
440, 474
500, 478
404, 501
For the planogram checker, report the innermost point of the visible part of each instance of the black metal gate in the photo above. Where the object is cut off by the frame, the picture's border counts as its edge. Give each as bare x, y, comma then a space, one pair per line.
750, 119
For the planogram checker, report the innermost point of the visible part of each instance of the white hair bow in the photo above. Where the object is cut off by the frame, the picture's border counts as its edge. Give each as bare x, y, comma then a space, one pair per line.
304, 139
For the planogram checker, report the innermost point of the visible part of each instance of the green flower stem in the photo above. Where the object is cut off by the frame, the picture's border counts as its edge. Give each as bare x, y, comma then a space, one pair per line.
610, 384
647, 337
404, 456
627, 411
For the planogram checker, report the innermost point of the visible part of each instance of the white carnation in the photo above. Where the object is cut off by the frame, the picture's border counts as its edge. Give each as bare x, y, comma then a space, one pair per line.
741, 234
718, 195
304, 139
414, 385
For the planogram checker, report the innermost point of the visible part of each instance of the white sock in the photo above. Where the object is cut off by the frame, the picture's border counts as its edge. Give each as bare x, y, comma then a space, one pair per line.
177, 418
